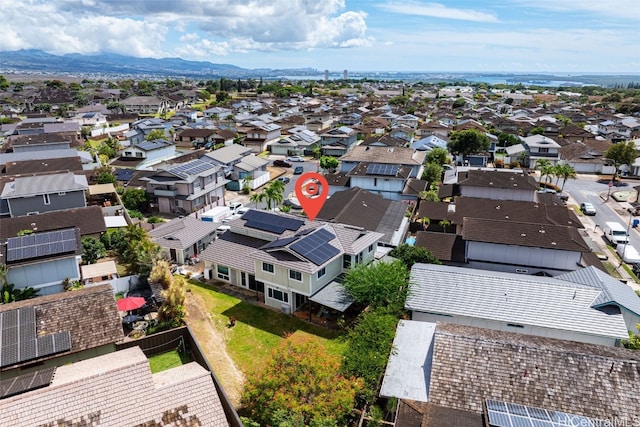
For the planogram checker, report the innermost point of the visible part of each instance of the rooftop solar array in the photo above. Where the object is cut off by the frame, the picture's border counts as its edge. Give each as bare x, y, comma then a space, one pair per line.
26, 382
272, 223
280, 243
41, 244
19, 342
382, 169
503, 414
191, 168
315, 247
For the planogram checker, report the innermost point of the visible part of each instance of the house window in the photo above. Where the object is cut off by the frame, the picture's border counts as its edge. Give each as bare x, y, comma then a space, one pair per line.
375, 182
223, 272
267, 267
515, 325
295, 275
370, 248
138, 154
359, 258
346, 261
322, 272
178, 203
543, 149
279, 295
47, 200
128, 153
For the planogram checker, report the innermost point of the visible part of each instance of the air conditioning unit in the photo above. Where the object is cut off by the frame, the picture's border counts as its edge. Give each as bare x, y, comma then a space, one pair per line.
285, 308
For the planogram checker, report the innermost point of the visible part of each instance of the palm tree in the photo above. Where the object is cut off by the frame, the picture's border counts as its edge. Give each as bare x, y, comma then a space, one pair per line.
425, 222
444, 224
545, 167
274, 193
257, 197
565, 171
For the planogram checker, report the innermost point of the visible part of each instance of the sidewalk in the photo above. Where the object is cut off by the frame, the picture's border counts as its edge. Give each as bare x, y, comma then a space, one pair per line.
593, 236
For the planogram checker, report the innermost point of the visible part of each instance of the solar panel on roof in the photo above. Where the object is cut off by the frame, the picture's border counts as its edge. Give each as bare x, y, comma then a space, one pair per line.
19, 342
41, 244
193, 167
280, 243
265, 226
26, 382
382, 169
260, 219
315, 247
503, 414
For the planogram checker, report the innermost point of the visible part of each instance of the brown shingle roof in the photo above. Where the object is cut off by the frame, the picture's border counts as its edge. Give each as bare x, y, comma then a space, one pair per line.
495, 179
523, 234
444, 246
89, 314
89, 220
49, 165
511, 210
473, 364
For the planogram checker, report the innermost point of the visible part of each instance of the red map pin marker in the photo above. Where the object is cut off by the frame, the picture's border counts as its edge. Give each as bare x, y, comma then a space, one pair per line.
312, 190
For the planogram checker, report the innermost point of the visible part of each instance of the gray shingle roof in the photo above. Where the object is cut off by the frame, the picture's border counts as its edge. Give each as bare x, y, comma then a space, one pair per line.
42, 184
181, 233
613, 292
512, 298
489, 178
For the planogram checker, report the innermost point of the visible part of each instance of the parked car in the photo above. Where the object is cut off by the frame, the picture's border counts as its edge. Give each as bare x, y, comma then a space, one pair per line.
628, 253
234, 206
298, 170
587, 208
281, 163
284, 179
295, 159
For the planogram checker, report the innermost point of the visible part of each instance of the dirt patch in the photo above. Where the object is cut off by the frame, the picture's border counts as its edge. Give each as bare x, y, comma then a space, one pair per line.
214, 347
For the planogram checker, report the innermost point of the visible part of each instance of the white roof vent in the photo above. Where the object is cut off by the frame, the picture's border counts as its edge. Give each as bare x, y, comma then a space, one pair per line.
451, 208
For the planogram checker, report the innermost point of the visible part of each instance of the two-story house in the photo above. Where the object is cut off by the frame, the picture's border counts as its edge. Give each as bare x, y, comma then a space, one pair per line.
150, 151
288, 259
43, 260
186, 187
38, 142
382, 170
34, 194
145, 104
338, 141
258, 135
240, 164
541, 147
300, 141
501, 184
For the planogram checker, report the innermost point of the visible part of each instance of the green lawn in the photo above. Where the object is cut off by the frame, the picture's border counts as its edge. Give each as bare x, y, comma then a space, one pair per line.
257, 330
168, 360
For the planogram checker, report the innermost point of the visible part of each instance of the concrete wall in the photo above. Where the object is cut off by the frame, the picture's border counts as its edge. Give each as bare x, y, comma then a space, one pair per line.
525, 329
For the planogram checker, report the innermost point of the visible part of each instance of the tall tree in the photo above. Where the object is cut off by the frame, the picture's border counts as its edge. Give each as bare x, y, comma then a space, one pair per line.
300, 382
156, 134
432, 173
381, 284
410, 254
546, 169
438, 155
622, 153
92, 250
468, 142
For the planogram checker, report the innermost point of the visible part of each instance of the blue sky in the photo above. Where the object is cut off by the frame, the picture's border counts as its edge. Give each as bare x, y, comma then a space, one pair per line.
358, 35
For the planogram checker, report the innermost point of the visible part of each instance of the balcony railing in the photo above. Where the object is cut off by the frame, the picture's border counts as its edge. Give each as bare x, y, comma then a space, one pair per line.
165, 193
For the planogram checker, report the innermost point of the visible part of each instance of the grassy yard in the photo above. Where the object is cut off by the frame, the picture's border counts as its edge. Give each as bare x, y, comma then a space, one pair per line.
168, 360
257, 330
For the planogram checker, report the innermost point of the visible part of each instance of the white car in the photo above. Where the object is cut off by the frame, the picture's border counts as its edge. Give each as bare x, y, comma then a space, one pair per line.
295, 159
628, 253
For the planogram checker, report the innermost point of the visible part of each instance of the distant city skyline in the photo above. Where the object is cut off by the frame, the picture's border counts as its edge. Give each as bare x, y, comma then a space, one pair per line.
567, 36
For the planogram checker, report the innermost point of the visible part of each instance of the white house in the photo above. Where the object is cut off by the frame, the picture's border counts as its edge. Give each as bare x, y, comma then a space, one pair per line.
541, 147
542, 306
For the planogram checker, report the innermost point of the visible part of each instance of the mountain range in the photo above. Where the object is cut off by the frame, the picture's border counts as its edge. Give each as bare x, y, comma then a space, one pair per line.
31, 60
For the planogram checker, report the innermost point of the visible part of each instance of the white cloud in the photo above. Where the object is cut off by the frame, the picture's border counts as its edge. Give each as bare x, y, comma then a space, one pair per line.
628, 9
437, 10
